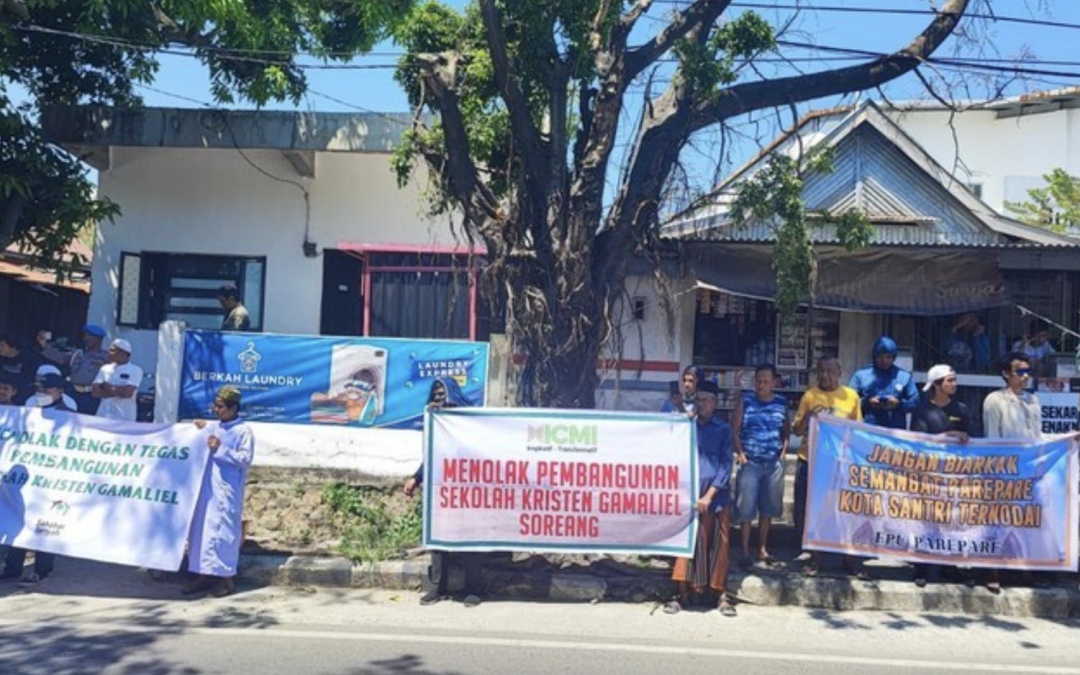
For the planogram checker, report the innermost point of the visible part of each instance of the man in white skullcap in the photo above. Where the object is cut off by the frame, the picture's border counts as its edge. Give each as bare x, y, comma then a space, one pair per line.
117, 383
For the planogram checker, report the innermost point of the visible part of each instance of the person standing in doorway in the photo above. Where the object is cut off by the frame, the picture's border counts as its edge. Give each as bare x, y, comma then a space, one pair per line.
85, 364
117, 383
236, 315
939, 413
828, 397
709, 566
760, 424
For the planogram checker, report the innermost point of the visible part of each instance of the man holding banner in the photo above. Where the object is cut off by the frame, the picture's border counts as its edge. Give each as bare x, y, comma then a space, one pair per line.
709, 566
216, 527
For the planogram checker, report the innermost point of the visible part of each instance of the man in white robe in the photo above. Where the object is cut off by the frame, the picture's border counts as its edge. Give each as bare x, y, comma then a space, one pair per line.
214, 542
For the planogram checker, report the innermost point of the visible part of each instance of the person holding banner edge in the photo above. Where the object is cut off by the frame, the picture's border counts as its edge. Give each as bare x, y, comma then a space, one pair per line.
709, 566
446, 393
939, 413
216, 527
828, 397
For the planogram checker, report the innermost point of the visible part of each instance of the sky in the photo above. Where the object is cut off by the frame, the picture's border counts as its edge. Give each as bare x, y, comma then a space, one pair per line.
182, 81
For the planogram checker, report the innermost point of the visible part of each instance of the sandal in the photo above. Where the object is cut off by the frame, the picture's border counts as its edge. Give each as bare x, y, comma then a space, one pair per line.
672, 607
994, 587
727, 609
769, 560
810, 571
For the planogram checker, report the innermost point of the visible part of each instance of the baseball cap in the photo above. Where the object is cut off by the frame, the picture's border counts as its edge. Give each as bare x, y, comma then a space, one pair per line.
122, 345
51, 381
94, 329
938, 372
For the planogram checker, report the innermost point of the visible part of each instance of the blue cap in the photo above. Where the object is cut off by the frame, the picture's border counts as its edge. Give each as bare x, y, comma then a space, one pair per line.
95, 330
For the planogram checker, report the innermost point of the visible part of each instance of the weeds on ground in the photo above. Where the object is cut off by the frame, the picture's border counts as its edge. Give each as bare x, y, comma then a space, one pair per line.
370, 530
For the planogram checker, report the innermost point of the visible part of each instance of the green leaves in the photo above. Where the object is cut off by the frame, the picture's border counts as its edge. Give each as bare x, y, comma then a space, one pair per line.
710, 64
1055, 207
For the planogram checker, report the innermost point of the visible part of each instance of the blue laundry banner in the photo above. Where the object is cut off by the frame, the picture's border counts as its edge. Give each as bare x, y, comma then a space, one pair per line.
364, 382
988, 503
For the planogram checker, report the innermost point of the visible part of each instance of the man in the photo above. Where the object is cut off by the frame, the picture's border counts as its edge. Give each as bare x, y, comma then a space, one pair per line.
886, 392
216, 530
236, 315
18, 363
939, 413
709, 566
1013, 413
827, 398
9, 390
85, 364
760, 422
684, 403
39, 400
446, 393
50, 396
117, 383
1036, 346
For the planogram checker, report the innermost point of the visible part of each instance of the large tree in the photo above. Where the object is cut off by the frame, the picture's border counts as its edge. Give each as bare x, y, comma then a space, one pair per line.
96, 52
528, 97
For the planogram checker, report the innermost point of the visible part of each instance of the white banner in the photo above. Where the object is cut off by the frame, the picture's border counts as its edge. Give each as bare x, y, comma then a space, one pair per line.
87, 487
1059, 412
556, 480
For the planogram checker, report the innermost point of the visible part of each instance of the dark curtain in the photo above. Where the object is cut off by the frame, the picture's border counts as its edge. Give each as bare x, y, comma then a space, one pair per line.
420, 304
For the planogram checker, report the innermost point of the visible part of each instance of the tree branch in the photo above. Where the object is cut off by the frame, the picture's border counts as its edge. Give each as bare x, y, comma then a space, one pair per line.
520, 120
701, 14
743, 98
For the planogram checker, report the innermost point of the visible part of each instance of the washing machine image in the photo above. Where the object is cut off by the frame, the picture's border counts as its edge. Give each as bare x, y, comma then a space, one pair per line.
360, 369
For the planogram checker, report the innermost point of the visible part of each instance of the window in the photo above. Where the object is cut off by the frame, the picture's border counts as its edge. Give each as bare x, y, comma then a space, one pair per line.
155, 287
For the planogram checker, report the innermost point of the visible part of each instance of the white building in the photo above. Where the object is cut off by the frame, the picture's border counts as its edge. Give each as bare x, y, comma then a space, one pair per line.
1000, 149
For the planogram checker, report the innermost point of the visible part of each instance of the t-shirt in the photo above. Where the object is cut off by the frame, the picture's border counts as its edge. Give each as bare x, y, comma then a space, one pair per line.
840, 402
119, 375
761, 431
929, 418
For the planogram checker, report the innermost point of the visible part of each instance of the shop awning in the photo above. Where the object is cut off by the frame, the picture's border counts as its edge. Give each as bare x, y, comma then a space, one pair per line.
913, 281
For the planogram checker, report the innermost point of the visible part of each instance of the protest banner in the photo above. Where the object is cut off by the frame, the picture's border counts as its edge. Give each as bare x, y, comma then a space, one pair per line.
571, 482
989, 503
1059, 412
88, 487
357, 382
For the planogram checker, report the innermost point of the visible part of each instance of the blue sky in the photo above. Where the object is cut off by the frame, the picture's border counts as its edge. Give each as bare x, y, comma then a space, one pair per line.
182, 82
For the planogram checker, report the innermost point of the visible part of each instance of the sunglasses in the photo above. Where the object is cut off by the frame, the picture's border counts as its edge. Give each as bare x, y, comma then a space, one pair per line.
1023, 372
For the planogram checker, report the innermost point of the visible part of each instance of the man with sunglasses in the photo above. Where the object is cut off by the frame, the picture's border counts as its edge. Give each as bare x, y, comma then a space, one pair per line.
1013, 413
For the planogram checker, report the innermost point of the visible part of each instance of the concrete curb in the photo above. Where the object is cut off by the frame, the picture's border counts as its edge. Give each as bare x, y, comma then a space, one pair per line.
583, 585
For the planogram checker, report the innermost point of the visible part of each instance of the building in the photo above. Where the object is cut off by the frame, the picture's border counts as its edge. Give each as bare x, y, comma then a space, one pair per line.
33, 298
300, 211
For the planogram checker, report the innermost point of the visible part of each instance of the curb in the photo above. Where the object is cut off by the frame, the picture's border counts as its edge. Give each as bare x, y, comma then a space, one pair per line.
768, 589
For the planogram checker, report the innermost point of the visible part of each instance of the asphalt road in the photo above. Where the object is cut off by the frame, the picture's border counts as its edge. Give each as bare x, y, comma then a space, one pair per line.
140, 628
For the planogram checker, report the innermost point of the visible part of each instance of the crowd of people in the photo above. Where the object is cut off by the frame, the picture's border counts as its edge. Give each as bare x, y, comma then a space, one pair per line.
104, 382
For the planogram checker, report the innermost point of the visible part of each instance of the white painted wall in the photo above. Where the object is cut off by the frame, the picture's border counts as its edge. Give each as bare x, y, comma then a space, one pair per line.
1008, 156
212, 201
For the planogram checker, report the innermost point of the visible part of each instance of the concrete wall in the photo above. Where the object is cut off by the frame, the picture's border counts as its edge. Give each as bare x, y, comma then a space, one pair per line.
212, 201
1008, 156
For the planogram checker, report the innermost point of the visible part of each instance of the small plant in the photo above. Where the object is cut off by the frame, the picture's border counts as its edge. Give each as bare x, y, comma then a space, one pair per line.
370, 531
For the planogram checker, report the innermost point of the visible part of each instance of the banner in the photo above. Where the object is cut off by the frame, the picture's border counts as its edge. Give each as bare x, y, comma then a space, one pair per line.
361, 382
1059, 412
571, 482
88, 487
989, 503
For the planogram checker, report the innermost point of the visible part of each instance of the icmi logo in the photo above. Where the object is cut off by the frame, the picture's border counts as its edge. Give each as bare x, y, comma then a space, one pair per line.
564, 434
249, 359
59, 508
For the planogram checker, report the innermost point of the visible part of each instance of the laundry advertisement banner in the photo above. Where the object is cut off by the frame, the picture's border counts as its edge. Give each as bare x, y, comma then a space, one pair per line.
560, 481
358, 382
1060, 412
88, 487
988, 503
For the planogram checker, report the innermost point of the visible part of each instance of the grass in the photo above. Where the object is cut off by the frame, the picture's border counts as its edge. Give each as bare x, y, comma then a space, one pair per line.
371, 530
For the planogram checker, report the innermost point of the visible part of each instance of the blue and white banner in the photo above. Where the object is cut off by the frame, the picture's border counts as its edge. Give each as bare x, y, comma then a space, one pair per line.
988, 503
362, 382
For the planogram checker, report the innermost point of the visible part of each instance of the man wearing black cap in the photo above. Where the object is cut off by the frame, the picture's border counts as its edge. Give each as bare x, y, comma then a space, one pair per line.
85, 365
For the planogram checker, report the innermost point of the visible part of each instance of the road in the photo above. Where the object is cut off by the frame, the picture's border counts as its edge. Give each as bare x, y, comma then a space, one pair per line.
140, 627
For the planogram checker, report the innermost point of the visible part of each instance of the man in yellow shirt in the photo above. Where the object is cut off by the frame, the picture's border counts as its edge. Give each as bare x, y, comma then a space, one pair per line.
829, 397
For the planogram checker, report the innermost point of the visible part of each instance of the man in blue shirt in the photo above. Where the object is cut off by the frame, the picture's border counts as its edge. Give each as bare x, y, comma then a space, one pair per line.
709, 566
887, 393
